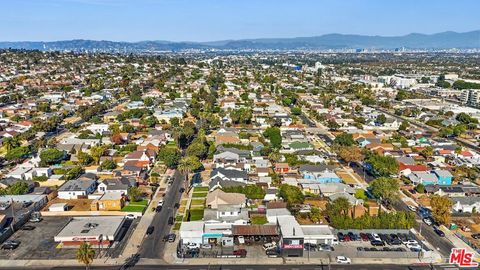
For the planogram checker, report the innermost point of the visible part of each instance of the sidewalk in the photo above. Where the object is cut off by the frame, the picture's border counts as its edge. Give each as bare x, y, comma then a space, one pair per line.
138, 235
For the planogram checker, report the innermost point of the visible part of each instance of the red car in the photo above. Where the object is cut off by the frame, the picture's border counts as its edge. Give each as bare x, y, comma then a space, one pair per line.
240, 253
346, 238
364, 237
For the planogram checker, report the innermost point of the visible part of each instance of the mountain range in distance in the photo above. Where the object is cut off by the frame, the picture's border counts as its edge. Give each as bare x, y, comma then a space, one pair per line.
444, 40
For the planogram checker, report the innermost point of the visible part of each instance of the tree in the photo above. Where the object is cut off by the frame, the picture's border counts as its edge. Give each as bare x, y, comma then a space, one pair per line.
344, 139
420, 188
51, 156
189, 164
148, 101
385, 188
427, 151
197, 148
381, 119
291, 194
441, 206
18, 188
315, 214
10, 143
350, 154
404, 126
18, 153
241, 116
333, 125
382, 165
340, 206
170, 156
274, 135
84, 158
134, 194
108, 165
296, 111
85, 254
73, 173
97, 152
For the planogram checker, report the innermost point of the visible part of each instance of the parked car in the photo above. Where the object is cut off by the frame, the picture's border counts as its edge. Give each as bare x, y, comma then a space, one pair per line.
160, 203
268, 246
177, 205
343, 260
193, 245
171, 221
346, 238
206, 246
11, 244
428, 221
414, 246
364, 237
353, 236
271, 252
340, 237
171, 237
376, 237
476, 236
150, 230
241, 253
28, 228
158, 209
412, 208
411, 242
325, 247
370, 237
438, 231
130, 216
378, 243
309, 247
181, 190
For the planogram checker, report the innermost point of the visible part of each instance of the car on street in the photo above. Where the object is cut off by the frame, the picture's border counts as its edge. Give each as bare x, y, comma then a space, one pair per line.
364, 237
206, 246
240, 253
376, 237
410, 241
28, 228
11, 244
476, 236
325, 247
181, 190
428, 221
193, 245
271, 253
412, 208
158, 209
413, 246
343, 260
171, 221
177, 205
160, 203
171, 237
438, 231
130, 216
150, 230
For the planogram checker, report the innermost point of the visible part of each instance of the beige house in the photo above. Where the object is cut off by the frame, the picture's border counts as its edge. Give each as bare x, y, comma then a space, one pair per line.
218, 198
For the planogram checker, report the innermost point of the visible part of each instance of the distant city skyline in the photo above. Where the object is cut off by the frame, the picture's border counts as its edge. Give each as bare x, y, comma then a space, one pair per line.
212, 20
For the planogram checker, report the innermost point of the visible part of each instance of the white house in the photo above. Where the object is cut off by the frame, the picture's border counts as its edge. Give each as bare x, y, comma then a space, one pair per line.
74, 188
466, 204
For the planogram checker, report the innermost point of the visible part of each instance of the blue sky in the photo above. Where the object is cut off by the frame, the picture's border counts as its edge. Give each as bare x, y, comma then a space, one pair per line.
207, 20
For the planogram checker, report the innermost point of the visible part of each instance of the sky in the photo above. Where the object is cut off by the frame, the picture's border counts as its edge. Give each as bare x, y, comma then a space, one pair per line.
210, 20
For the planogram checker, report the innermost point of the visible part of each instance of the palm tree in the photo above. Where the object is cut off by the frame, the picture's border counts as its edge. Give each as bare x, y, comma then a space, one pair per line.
189, 164
85, 254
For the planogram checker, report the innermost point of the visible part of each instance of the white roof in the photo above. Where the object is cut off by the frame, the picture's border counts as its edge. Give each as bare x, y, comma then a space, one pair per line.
91, 227
289, 227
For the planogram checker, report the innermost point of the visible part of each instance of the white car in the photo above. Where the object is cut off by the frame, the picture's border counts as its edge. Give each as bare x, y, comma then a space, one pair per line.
412, 245
412, 242
192, 245
376, 237
130, 216
206, 246
268, 246
428, 221
412, 208
160, 203
343, 260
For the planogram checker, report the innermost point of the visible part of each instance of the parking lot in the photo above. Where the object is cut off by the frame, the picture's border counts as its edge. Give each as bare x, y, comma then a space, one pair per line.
38, 243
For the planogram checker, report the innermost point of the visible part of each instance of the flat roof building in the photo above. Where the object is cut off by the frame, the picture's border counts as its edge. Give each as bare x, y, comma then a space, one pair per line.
94, 230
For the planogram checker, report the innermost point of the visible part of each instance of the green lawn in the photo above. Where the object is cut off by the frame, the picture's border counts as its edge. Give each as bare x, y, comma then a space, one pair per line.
177, 225
136, 206
258, 220
199, 194
179, 218
196, 202
133, 208
200, 189
196, 214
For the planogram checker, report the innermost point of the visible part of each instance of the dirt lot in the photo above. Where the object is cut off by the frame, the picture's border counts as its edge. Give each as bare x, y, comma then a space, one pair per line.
74, 205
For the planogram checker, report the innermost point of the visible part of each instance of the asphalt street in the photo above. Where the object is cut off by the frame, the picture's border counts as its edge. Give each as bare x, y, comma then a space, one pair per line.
152, 246
270, 267
441, 243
